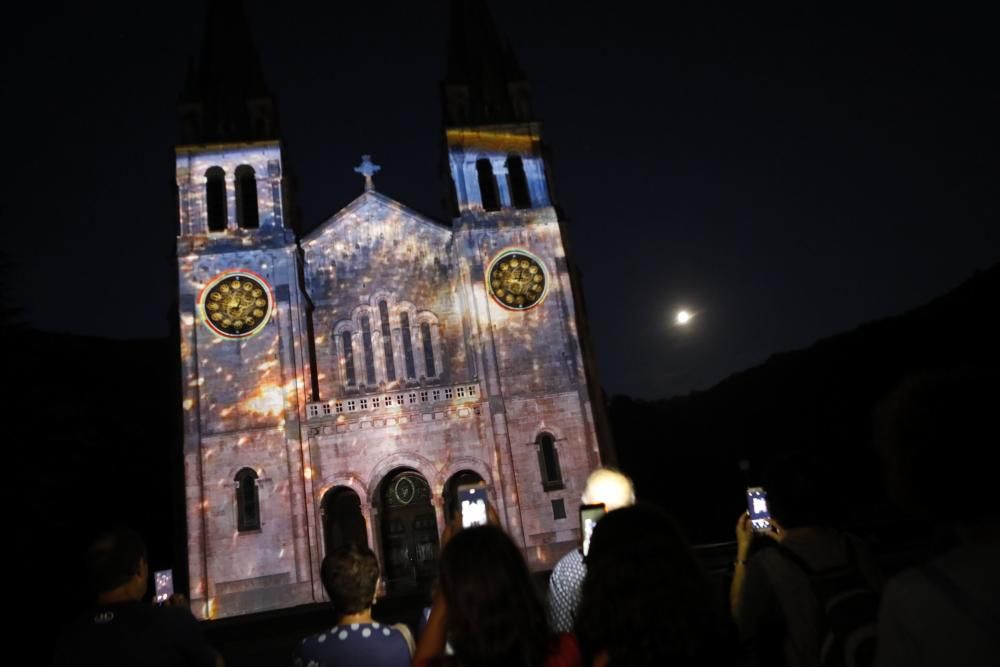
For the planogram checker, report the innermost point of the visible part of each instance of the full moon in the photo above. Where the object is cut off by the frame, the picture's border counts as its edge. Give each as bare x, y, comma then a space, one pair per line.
683, 317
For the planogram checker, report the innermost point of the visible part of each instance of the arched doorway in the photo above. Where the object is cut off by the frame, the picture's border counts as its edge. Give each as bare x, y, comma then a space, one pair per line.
409, 532
451, 490
343, 522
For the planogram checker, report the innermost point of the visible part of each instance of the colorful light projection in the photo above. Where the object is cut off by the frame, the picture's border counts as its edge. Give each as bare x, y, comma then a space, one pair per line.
498, 171
236, 304
378, 261
260, 166
268, 399
517, 279
525, 142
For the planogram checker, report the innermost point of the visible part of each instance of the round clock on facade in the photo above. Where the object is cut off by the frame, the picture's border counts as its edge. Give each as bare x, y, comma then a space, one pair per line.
236, 304
405, 491
517, 280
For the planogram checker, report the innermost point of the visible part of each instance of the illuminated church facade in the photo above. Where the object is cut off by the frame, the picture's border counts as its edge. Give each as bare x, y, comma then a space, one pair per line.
340, 385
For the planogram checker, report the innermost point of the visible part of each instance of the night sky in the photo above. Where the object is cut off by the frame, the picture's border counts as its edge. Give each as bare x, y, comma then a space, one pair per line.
788, 173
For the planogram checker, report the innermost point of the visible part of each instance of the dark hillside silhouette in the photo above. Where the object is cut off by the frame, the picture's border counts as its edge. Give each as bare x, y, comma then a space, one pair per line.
91, 427
685, 451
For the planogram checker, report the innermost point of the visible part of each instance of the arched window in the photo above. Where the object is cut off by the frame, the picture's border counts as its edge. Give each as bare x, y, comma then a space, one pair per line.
487, 185
390, 364
343, 521
425, 339
348, 351
246, 197
548, 462
247, 501
366, 342
518, 182
215, 199
404, 321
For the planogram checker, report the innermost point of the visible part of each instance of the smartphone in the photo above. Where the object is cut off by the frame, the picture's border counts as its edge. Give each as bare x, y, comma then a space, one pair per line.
760, 517
589, 516
163, 586
472, 500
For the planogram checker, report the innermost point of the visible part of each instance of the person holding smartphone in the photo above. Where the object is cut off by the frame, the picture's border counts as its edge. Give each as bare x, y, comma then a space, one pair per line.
473, 504
486, 608
773, 598
122, 629
647, 601
605, 487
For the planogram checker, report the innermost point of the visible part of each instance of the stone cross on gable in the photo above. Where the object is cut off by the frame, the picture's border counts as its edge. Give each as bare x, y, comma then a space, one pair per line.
367, 168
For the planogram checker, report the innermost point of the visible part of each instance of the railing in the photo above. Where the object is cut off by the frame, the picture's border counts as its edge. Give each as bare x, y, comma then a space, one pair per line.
393, 401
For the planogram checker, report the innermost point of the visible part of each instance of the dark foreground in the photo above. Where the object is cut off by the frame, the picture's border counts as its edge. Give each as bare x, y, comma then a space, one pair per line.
270, 638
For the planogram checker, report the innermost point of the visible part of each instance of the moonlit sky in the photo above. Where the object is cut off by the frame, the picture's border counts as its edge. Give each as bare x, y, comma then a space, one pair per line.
787, 173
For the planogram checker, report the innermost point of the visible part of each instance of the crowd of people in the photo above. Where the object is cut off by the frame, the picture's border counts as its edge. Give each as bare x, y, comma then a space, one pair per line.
802, 593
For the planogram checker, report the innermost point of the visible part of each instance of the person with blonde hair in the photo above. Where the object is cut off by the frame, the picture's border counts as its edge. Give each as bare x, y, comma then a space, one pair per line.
614, 490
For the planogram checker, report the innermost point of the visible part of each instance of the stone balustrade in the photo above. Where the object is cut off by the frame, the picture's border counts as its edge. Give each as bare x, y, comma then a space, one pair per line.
394, 402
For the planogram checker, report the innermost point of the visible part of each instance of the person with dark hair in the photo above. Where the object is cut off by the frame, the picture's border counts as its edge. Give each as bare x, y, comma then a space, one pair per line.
350, 576
124, 630
776, 595
932, 431
487, 608
646, 600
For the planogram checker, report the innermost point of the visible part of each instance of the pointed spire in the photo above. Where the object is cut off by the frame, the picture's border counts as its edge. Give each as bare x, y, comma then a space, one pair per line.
484, 83
225, 97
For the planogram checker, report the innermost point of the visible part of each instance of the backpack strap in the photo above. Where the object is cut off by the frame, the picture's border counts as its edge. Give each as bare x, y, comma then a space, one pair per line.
795, 558
984, 619
844, 639
821, 591
849, 550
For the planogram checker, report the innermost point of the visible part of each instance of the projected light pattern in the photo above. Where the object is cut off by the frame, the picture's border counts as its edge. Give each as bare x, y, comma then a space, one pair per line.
267, 400
244, 371
377, 259
241, 382
260, 167
419, 362
468, 148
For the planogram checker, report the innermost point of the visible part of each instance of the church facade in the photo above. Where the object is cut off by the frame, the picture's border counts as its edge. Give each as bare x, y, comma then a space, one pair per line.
341, 385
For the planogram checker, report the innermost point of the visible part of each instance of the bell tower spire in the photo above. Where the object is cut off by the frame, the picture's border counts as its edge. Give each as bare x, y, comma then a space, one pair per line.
495, 155
523, 323
244, 330
484, 82
225, 98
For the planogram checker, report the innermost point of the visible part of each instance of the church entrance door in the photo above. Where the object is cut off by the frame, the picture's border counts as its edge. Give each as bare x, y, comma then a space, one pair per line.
409, 532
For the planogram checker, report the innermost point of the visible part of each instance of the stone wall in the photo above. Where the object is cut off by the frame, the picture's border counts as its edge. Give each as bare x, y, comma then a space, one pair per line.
376, 250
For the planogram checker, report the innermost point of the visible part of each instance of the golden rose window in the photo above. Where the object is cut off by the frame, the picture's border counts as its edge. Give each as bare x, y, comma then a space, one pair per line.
517, 280
236, 304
